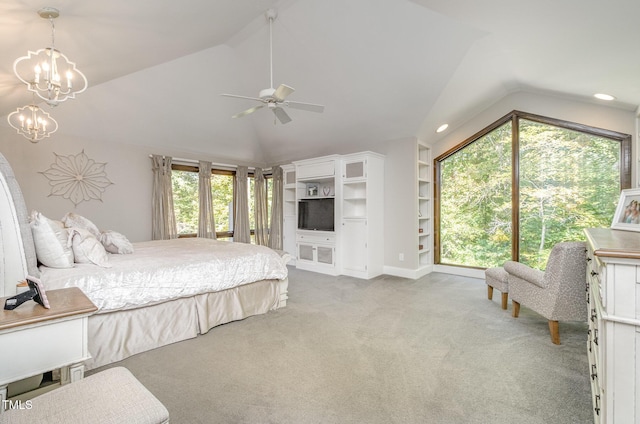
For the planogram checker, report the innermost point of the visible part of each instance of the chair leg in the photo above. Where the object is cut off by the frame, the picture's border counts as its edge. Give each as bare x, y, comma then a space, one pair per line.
505, 299
489, 292
554, 329
516, 309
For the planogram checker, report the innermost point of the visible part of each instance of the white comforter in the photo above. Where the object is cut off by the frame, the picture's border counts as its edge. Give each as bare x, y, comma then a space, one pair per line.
167, 269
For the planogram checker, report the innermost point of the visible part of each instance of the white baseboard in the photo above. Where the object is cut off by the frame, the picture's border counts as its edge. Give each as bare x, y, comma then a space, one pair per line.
406, 272
464, 272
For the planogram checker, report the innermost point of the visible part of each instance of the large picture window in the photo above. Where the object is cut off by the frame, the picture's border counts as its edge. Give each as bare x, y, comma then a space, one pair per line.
522, 185
185, 196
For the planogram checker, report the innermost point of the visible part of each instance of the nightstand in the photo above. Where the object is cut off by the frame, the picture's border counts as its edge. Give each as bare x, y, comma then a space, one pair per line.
35, 340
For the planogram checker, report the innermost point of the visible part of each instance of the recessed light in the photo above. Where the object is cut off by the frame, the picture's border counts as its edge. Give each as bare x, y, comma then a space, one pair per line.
442, 128
603, 96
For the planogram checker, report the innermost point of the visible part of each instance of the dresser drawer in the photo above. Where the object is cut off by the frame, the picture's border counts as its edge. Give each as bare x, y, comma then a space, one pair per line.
316, 238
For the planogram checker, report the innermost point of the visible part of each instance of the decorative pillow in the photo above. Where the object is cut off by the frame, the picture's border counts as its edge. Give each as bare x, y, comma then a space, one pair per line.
51, 240
87, 249
115, 242
72, 220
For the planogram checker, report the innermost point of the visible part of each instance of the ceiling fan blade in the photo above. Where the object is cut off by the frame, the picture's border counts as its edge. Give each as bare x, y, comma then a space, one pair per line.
305, 106
243, 97
282, 92
281, 115
247, 112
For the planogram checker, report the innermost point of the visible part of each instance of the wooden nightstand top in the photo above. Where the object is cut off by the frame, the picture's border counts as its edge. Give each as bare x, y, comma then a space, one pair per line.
64, 303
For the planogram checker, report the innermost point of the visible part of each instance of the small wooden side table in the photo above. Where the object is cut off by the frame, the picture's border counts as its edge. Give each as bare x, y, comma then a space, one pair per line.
35, 340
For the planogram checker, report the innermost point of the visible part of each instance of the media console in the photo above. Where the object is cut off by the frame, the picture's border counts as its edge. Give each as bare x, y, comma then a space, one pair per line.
333, 209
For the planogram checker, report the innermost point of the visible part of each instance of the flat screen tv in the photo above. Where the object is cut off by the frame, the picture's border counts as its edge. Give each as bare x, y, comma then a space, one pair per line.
315, 214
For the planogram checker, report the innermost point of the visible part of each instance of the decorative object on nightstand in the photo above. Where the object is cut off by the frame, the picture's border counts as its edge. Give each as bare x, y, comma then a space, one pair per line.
36, 292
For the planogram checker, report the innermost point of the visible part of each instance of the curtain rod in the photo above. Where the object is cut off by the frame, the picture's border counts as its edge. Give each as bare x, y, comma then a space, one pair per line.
182, 161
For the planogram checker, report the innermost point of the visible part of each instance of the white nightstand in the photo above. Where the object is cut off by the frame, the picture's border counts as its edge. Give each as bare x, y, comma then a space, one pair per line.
35, 340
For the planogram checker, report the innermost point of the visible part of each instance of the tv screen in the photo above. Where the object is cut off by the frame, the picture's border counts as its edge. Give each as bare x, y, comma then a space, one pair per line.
315, 214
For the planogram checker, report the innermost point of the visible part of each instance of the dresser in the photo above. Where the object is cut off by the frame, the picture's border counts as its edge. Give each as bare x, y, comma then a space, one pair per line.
613, 298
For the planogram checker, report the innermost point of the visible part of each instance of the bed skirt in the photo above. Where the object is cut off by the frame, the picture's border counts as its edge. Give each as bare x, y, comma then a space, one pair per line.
114, 336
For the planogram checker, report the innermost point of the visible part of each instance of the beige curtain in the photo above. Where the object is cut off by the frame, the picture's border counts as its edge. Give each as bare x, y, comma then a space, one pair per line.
206, 219
275, 232
261, 211
241, 230
163, 219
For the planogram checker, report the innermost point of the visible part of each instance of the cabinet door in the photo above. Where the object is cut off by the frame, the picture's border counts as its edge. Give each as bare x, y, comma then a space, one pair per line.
289, 177
354, 252
354, 169
305, 252
289, 234
325, 254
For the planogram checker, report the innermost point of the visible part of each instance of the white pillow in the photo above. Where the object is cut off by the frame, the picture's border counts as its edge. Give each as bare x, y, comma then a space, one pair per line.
87, 249
115, 242
51, 240
72, 220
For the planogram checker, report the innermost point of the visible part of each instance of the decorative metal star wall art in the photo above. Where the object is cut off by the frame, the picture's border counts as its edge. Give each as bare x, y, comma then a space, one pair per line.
77, 178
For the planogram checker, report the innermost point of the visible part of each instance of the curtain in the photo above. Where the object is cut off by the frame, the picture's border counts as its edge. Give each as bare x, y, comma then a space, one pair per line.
163, 219
275, 233
241, 230
261, 211
206, 219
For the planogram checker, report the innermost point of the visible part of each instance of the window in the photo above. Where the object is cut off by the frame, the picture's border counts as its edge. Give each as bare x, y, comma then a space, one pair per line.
524, 184
185, 196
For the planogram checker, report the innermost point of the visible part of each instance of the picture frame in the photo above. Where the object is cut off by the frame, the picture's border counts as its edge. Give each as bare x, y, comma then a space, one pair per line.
312, 190
627, 215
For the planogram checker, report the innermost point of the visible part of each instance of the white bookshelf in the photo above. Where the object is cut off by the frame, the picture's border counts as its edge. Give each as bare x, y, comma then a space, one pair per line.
424, 206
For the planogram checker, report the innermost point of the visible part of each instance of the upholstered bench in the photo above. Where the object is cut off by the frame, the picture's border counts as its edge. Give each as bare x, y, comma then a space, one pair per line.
108, 397
497, 278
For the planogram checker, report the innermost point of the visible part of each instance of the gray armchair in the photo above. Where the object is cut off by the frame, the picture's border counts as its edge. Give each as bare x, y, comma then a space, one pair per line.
558, 293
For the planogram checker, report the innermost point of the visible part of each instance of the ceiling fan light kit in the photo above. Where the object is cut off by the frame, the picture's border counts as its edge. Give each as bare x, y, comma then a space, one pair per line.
275, 98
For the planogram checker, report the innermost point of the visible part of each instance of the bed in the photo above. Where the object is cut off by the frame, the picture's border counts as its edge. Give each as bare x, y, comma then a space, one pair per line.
145, 301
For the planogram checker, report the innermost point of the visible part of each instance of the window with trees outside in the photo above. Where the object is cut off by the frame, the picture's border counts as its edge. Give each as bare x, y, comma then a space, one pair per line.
185, 197
525, 183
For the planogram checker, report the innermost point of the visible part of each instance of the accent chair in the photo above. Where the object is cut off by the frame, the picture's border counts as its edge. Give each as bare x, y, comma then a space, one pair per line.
558, 293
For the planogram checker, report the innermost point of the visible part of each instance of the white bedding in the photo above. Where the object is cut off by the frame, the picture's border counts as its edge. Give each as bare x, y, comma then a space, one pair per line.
168, 269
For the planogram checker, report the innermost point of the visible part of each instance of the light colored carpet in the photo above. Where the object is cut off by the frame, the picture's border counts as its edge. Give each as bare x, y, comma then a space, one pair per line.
387, 350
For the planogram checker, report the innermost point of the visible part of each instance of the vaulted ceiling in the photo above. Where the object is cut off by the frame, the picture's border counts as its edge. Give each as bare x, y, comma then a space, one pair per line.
384, 69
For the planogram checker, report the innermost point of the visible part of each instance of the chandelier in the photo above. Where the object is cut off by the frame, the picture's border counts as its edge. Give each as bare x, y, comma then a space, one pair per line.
49, 73
32, 122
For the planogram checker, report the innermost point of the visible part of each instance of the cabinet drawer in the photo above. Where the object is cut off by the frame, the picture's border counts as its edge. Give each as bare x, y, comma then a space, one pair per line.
316, 238
316, 170
65, 343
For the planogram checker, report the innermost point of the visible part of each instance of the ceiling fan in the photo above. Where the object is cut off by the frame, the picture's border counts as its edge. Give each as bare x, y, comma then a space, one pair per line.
275, 98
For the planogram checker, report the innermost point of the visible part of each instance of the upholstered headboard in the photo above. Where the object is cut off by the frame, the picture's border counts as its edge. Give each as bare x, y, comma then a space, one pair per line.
17, 251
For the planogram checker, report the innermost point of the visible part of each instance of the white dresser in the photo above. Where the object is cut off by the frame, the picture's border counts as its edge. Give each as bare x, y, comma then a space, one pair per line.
613, 298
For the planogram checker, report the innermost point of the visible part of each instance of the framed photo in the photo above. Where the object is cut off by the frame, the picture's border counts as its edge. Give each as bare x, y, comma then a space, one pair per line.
39, 294
627, 216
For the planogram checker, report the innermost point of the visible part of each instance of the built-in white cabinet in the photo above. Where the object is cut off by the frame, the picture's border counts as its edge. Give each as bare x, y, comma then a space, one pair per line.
316, 214
613, 342
316, 252
289, 211
424, 195
338, 206
362, 226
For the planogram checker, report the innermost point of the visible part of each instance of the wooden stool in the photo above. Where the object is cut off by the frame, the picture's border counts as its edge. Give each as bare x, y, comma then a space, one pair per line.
497, 278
